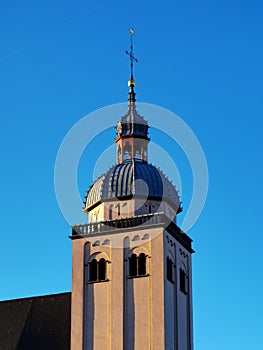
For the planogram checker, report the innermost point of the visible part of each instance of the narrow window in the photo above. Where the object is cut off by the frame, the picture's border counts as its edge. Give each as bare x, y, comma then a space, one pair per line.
118, 209
102, 270
119, 151
142, 265
110, 212
93, 274
126, 156
183, 284
137, 155
133, 265
150, 208
169, 268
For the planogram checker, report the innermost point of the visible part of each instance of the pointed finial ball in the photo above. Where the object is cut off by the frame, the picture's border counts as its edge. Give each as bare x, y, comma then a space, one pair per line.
131, 82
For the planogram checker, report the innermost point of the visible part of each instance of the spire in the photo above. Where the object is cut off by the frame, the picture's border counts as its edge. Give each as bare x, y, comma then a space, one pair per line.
132, 130
131, 82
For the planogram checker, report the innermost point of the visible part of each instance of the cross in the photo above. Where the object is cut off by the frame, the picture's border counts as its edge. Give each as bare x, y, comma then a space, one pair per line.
130, 53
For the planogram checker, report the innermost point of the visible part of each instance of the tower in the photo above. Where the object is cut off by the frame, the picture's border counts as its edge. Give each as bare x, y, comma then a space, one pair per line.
131, 284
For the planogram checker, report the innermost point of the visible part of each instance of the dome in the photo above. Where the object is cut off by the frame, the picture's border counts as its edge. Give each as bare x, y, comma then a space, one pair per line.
132, 179
132, 123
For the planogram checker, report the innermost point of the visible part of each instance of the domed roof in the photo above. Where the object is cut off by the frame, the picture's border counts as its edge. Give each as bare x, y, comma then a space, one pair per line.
132, 123
132, 179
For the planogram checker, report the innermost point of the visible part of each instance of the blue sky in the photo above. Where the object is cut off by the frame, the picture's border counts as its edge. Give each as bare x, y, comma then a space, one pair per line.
203, 61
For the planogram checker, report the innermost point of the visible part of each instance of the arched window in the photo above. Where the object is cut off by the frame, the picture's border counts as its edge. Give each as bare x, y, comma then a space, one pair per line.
137, 155
97, 270
126, 156
142, 264
102, 269
93, 273
169, 269
137, 265
133, 265
118, 207
183, 281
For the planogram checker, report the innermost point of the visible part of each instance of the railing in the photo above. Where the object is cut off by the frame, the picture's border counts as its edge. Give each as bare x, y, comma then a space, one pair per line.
123, 223
139, 222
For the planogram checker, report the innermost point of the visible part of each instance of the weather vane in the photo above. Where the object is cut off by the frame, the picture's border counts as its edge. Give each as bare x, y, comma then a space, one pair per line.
130, 53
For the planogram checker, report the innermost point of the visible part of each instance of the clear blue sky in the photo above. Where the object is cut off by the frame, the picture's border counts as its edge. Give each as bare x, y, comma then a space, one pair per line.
200, 59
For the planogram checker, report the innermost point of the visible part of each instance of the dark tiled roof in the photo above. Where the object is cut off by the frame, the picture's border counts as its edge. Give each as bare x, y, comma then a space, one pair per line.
120, 181
133, 124
37, 323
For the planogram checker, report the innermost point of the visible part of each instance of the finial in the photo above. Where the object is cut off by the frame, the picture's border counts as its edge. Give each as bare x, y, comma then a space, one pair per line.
131, 82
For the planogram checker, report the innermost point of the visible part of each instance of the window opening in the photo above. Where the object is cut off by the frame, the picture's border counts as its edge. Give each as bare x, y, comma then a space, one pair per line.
102, 269
169, 267
133, 265
183, 281
137, 155
118, 209
137, 265
97, 270
93, 270
142, 264
110, 211
126, 156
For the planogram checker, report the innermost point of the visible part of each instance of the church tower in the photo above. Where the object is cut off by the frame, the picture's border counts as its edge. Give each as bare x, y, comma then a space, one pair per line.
131, 283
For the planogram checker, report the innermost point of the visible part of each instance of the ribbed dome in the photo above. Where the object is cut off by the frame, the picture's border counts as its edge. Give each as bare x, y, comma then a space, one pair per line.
134, 178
